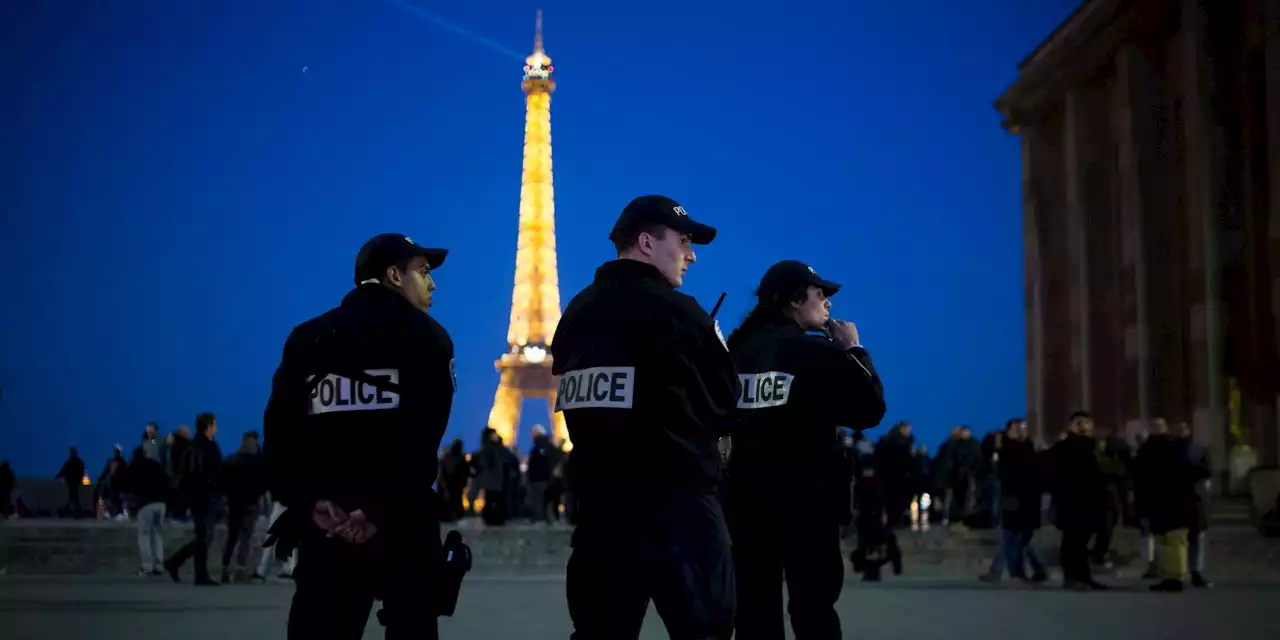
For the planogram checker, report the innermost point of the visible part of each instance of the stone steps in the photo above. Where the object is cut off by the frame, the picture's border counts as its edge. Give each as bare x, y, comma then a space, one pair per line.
92, 547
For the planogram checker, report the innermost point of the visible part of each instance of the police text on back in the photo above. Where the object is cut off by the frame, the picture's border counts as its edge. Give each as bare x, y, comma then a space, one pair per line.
596, 388
338, 393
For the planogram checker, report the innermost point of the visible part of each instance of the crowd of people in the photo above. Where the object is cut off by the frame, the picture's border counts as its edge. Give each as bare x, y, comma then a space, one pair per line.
495, 484
1086, 484
178, 478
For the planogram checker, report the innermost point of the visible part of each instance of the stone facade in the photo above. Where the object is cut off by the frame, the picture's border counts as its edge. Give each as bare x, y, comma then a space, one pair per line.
1151, 210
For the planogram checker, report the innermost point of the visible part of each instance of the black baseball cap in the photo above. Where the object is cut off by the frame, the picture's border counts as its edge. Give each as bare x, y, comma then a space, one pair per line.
790, 276
660, 210
389, 249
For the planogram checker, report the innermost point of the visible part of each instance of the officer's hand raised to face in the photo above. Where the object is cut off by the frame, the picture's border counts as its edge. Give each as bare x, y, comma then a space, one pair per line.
842, 332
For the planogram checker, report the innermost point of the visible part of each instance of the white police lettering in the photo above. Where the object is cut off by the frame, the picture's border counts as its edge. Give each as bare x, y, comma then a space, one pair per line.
453, 373
764, 390
597, 388
681, 212
337, 393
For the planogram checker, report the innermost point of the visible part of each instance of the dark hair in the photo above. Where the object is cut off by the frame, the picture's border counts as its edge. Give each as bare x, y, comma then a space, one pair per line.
1080, 413
770, 310
204, 421
627, 241
1012, 421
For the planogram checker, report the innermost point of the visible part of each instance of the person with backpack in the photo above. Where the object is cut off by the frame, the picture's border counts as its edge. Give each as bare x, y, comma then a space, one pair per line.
198, 480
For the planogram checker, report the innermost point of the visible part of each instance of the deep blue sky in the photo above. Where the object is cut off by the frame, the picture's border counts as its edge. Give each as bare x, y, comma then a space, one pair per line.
177, 193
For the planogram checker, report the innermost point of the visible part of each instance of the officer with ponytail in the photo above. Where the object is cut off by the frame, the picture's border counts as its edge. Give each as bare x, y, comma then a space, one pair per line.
803, 376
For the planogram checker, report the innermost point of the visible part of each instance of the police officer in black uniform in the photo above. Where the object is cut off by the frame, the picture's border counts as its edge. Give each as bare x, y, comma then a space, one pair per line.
788, 476
358, 406
645, 382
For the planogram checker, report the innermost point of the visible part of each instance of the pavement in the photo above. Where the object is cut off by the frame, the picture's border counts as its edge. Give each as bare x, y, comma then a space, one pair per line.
532, 607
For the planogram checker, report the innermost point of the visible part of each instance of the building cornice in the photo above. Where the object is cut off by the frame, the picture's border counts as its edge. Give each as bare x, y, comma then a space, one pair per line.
1075, 50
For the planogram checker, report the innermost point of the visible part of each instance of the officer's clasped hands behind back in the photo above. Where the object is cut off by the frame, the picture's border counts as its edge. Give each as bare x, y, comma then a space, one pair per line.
788, 479
358, 407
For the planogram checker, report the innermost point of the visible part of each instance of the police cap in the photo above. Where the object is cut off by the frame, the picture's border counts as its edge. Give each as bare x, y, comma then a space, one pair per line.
389, 249
647, 211
789, 276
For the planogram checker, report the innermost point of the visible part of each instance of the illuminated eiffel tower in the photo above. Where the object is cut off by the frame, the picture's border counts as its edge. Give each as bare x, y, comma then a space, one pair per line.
535, 302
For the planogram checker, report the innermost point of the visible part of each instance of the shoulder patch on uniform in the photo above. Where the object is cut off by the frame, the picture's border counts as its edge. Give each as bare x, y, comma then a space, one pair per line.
764, 390
716, 324
596, 388
336, 393
453, 373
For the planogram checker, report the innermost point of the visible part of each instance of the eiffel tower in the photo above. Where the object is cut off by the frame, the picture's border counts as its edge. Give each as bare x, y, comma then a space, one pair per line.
535, 302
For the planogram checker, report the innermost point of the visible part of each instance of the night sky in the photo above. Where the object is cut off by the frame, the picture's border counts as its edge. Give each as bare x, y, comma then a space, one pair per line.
183, 182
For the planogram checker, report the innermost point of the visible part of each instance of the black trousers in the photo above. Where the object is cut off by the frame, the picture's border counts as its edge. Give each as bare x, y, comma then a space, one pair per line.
1074, 554
680, 560
772, 542
337, 583
73, 497
897, 506
241, 520
205, 514
1102, 541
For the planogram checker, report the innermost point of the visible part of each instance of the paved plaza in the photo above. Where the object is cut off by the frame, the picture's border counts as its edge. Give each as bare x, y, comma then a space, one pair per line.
533, 607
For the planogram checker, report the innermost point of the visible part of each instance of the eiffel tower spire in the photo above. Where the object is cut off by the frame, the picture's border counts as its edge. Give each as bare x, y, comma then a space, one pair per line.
537, 34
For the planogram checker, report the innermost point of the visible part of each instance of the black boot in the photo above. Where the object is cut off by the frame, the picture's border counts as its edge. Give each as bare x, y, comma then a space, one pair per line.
858, 558
895, 559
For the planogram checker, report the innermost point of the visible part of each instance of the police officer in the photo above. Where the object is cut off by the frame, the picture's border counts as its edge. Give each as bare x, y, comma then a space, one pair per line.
645, 382
357, 409
788, 476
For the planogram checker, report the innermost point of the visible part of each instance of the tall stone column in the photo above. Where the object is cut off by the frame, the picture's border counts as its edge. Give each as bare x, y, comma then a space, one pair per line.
1135, 138
1034, 289
1077, 250
1205, 354
1272, 106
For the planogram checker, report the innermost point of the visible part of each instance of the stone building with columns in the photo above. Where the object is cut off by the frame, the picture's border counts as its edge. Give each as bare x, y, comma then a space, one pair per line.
1150, 135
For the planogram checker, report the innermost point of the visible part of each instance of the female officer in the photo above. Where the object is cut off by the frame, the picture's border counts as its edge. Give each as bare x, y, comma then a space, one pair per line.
787, 485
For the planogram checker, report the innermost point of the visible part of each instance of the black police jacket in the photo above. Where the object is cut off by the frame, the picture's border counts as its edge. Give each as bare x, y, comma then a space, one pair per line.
645, 383
358, 406
797, 389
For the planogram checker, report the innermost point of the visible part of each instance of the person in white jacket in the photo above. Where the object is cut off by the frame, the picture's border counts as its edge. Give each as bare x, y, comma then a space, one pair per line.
270, 562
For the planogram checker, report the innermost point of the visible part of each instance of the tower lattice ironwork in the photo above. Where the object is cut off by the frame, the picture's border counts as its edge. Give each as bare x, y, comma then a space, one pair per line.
535, 302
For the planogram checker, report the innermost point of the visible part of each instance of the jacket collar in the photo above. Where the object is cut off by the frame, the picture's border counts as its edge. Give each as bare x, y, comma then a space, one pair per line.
624, 269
